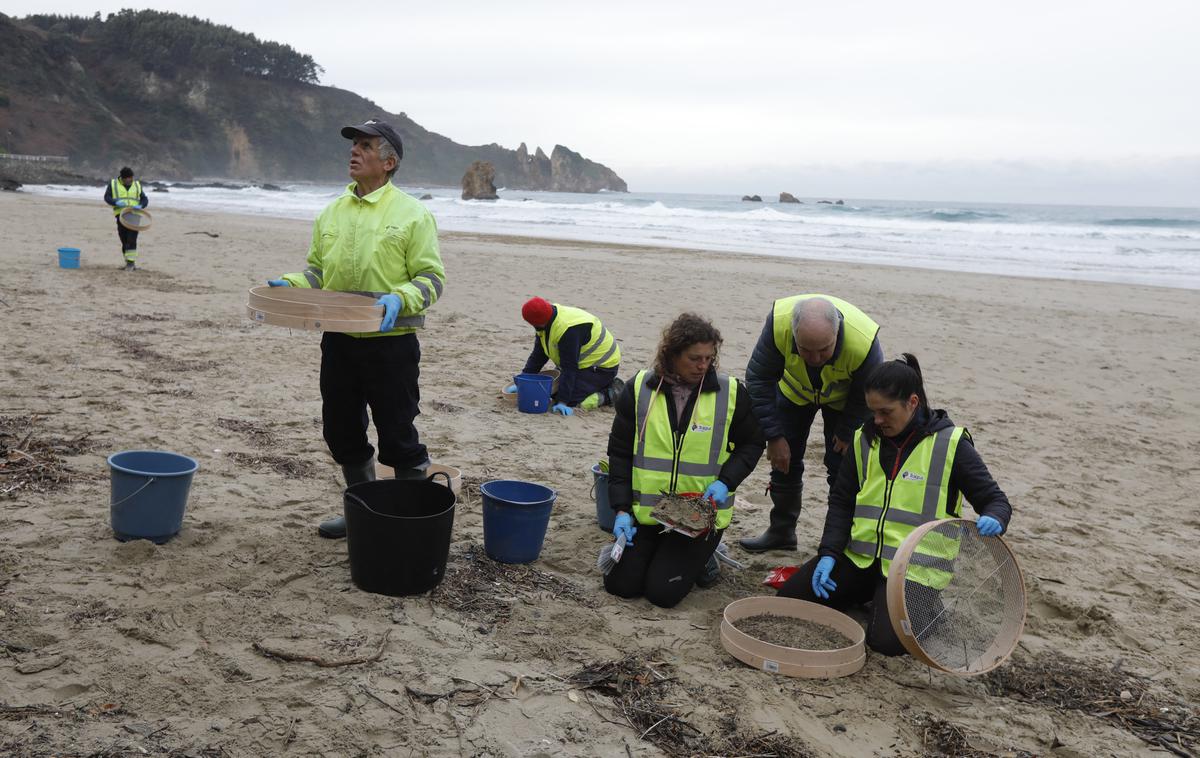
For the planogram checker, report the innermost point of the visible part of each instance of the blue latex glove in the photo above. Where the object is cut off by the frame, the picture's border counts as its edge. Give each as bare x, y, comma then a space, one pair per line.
138, 206
391, 309
123, 202
624, 525
510, 389
717, 492
279, 283
562, 408
821, 583
989, 527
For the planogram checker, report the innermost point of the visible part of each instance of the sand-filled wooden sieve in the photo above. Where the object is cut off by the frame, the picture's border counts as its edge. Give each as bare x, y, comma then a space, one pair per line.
790, 661
314, 309
135, 219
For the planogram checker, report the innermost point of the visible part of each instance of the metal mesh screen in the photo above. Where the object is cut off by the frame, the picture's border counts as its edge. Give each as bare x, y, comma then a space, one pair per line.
964, 598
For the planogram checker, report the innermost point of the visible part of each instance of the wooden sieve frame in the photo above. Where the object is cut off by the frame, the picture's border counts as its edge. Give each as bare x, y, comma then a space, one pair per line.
790, 661
139, 212
1010, 630
313, 309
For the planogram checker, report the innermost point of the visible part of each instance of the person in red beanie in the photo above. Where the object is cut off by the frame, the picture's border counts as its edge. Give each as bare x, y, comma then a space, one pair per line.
584, 351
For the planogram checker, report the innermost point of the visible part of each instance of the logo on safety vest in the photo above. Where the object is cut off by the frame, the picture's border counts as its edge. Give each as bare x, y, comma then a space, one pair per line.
701, 428
910, 476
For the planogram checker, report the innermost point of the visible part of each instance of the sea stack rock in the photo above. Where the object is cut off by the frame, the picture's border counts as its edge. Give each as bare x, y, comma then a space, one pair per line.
571, 172
787, 197
751, 198
479, 182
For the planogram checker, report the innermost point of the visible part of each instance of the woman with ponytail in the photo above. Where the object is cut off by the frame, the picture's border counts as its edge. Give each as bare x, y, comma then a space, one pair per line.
908, 464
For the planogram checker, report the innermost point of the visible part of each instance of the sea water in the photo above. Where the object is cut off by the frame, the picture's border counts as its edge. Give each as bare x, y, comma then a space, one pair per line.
1155, 246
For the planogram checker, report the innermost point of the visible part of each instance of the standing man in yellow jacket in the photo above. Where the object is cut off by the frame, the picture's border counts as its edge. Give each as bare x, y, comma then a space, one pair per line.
584, 351
374, 240
126, 192
814, 356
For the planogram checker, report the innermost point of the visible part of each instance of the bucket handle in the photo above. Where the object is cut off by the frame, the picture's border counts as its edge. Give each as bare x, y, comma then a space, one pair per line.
153, 479
443, 473
592, 491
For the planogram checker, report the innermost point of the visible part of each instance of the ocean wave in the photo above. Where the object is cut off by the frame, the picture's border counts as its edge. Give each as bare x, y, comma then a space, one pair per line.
1181, 223
940, 214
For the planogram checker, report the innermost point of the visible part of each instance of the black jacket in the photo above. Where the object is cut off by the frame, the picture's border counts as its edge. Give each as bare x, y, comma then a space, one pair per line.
968, 475
745, 439
765, 369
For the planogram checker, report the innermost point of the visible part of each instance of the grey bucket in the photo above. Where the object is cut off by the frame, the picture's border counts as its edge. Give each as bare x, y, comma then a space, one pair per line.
605, 515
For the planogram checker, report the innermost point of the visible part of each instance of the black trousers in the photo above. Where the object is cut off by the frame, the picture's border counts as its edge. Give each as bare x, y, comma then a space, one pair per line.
855, 586
379, 373
663, 567
798, 421
128, 239
587, 381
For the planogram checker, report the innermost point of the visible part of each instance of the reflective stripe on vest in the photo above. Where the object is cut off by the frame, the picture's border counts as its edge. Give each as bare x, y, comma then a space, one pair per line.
601, 348
661, 465
120, 192
892, 509
858, 332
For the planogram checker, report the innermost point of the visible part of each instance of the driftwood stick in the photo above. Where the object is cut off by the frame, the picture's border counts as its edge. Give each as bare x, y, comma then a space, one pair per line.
285, 655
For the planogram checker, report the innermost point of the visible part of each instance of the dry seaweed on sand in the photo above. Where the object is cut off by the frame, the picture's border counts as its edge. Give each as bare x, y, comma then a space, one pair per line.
941, 737
649, 699
254, 432
1104, 692
485, 590
292, 468
30, 462
692, 513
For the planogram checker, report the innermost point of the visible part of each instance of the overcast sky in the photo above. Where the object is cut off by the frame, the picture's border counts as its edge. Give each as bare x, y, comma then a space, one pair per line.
1072, 101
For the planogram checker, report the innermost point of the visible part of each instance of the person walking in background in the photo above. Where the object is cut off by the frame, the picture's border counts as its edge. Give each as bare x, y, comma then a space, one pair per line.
121, 193
379, 241
814, 354
908, 465
680, 427
583, 350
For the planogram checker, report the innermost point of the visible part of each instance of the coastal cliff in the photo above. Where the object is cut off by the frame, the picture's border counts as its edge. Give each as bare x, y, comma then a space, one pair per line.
177, 97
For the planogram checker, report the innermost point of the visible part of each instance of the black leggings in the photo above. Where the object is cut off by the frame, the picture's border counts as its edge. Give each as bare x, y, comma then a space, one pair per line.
376, 372
855, 586
128, 238
662, 566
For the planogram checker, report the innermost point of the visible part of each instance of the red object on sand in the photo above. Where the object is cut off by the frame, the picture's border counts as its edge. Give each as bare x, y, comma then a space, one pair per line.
777, 576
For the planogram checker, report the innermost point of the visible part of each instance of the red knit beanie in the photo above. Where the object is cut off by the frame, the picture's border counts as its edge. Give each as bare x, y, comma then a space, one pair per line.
537, 311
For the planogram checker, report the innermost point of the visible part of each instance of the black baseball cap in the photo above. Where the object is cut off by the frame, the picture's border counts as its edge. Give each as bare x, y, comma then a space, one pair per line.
376, 128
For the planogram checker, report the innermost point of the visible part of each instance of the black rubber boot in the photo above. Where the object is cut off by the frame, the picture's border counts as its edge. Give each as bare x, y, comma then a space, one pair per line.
335, 528
781, 534
420, 471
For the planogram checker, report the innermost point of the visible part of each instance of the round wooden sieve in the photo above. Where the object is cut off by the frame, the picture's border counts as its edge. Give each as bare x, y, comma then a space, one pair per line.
135, 219
314, 309
789, 661
974, 557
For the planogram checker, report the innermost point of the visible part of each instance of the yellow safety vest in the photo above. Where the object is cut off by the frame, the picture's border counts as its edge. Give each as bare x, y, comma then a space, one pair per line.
601, 349
664, 465
885, 512
120, 192
858, 332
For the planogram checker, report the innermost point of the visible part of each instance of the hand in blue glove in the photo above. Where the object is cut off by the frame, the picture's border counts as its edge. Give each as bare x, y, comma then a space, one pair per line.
562, 408
139, 206
123, 202
821, 583
279, 283
391, 309
510, 389
624, 525
989, 527
717, 492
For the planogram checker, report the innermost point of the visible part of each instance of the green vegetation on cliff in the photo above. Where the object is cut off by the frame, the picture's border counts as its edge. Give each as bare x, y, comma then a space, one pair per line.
177, 97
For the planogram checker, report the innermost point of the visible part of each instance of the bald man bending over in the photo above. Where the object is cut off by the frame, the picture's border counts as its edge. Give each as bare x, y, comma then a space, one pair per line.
814, 354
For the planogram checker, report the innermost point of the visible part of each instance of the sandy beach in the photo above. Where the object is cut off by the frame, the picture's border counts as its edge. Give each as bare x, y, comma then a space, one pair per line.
1081, 397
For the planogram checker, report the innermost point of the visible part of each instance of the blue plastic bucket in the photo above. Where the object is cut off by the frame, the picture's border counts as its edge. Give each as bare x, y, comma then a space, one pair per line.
149, 493
533, 392
605, 515
68, 257
515, 517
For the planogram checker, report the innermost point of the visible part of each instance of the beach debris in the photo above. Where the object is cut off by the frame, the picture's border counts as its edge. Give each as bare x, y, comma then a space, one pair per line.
214, 235
789, 631
485, 590
941, 737
289, 466
30, 463
1164, 719
610, 555
258, 435
688, 514
272, 651
647, 697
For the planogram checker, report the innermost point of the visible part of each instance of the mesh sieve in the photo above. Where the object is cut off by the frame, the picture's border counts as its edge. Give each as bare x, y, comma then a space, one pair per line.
963, 597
